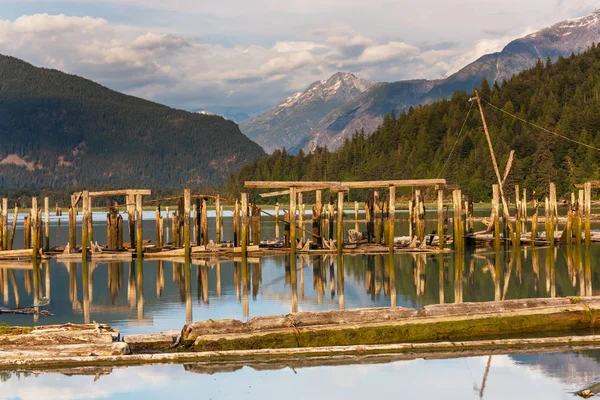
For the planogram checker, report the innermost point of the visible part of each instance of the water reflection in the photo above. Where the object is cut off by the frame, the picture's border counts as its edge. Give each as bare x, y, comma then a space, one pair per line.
147, 296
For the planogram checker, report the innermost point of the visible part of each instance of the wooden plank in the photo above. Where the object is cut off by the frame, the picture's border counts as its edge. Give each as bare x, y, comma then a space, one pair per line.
350, 185
287, 192
124, 192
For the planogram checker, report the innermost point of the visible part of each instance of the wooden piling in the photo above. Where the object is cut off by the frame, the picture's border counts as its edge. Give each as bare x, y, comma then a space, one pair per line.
340, 222
330, 219
456, 219
218, 219
293, 220
277, 220
131, 218
548, 222
166, 224
4, 232
158, 230
84, 223
420, 216
27, 232
187, 204
392, 215
356, 216
175, 230
46, 224
204, 222
524, 210
517, 234
534, 220
90, 221
236, 224
496, 214
440, 212
72, 225
244, 224
198, 222
301, 216
139, 227
377, 216
587, 188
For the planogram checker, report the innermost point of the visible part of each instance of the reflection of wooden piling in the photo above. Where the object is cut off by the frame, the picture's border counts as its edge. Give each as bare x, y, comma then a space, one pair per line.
293, 220
186, 223
245, 221
340, 222
587, 212
392, 217
46, 224
218, 218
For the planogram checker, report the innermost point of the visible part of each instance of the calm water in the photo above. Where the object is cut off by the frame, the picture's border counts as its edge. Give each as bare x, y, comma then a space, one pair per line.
151, 296
537, 376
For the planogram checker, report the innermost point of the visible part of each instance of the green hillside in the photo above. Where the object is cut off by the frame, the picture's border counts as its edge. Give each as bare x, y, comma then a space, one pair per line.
68, 131
563, 97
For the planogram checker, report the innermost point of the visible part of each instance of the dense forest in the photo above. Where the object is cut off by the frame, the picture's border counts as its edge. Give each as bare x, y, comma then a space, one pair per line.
68, 132
562, 97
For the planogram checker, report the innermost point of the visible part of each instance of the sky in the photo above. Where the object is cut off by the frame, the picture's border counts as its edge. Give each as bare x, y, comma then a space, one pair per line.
242, 55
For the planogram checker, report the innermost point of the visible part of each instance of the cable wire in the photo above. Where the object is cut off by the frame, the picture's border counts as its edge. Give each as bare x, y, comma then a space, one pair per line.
540, 127
456, 142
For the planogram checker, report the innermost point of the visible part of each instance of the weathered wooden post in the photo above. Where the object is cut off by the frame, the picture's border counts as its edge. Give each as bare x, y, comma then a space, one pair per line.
72, 225
377, 216
356, 216
496, 213
534, 220
244, 225
456, 218
340, 222
277, 219
440, 212
411, 212
420, 216
166, 224
27, 232
139, 226
368, 221
548, 222
204, 222
131, 218
84, 223
386, 222
587, 188
301, 216
175, 229
187, 204
553, 208
198, 222
4, 224
90, 221
392, 215
524, 210
293, 221
158, 225
46, 224
236, 224
218, 219
330, 218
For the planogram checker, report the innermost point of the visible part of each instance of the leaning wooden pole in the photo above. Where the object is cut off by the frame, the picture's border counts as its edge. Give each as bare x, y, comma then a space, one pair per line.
494, 162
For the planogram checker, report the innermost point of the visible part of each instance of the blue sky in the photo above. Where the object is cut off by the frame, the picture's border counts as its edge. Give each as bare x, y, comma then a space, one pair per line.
248, 55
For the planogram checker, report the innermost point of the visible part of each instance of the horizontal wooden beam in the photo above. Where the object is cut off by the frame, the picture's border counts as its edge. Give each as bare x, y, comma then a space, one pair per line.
447, 187
106, 193
350, 185
287, 192
595, 185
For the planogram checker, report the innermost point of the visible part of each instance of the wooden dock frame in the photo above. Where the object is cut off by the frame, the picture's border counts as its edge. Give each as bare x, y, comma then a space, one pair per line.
292, 188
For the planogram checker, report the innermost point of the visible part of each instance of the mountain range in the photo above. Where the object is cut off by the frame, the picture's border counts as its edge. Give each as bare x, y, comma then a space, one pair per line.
60, 131
302, 123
